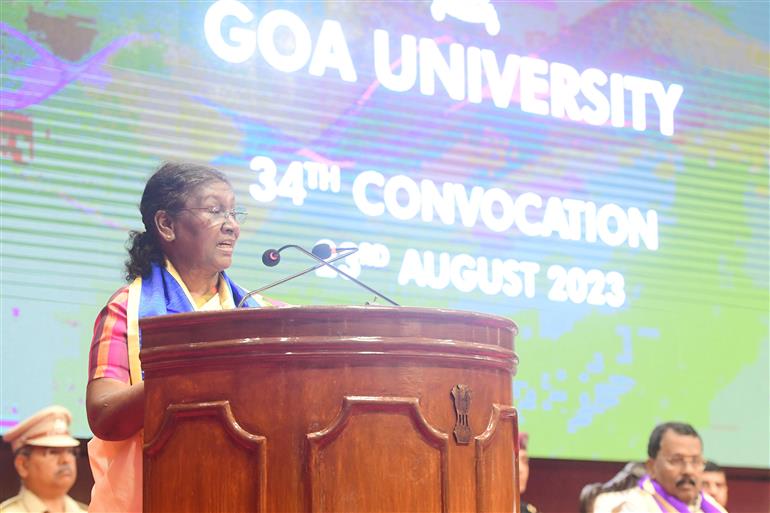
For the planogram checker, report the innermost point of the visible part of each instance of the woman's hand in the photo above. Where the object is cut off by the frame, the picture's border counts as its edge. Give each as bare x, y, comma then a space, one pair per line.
115, 409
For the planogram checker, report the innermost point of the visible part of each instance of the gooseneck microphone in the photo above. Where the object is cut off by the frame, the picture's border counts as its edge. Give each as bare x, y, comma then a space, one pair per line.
317, 254
320, 252
272, 257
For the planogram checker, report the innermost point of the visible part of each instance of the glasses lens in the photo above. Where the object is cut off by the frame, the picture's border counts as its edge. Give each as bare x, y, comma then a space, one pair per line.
57, 452
239, 215
682, 463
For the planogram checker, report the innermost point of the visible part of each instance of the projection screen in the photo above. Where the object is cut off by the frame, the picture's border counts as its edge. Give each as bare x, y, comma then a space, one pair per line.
595, 171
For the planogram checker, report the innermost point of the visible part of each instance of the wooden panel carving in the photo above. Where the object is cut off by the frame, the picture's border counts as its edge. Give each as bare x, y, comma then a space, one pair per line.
379, 455
497, 457
229, 450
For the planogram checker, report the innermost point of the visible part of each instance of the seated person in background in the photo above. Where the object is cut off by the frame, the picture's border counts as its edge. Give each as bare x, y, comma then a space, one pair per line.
715, 482
44, 457
673, 481
607, 494
524, 473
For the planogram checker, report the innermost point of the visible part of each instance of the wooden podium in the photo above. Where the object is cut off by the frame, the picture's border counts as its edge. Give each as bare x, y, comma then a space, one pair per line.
334, 409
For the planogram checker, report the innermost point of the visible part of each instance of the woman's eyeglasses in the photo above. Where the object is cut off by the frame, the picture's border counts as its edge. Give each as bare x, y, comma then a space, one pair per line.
217, 214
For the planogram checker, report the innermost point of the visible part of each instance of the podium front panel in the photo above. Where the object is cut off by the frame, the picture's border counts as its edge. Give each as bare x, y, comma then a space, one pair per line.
301, 409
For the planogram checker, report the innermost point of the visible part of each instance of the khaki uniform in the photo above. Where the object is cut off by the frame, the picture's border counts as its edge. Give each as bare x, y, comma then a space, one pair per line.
48, 428
28, 502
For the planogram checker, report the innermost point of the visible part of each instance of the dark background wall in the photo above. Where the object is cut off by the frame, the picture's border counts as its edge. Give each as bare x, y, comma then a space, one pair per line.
554, 485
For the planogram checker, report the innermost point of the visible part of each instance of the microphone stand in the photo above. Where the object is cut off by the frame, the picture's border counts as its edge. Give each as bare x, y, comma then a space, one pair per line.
343, 273
349, 251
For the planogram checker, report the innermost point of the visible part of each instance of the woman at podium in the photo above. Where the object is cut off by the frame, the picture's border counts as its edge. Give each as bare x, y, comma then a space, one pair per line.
176, 264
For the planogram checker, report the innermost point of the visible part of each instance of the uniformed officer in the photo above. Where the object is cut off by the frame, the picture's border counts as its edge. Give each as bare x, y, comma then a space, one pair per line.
45, 459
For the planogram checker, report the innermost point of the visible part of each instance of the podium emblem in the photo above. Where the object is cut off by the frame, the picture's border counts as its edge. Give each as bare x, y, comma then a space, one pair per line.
461, 394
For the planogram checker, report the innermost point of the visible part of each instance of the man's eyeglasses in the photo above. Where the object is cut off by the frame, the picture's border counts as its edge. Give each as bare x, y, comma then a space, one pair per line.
51, 452
217, 214
681, 462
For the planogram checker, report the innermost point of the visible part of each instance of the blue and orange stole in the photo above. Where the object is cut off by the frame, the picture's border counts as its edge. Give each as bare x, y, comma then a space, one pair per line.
163, 292
670, 504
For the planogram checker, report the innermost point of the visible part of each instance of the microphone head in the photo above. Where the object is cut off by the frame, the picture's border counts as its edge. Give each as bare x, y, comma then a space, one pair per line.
322, 251
271, 257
